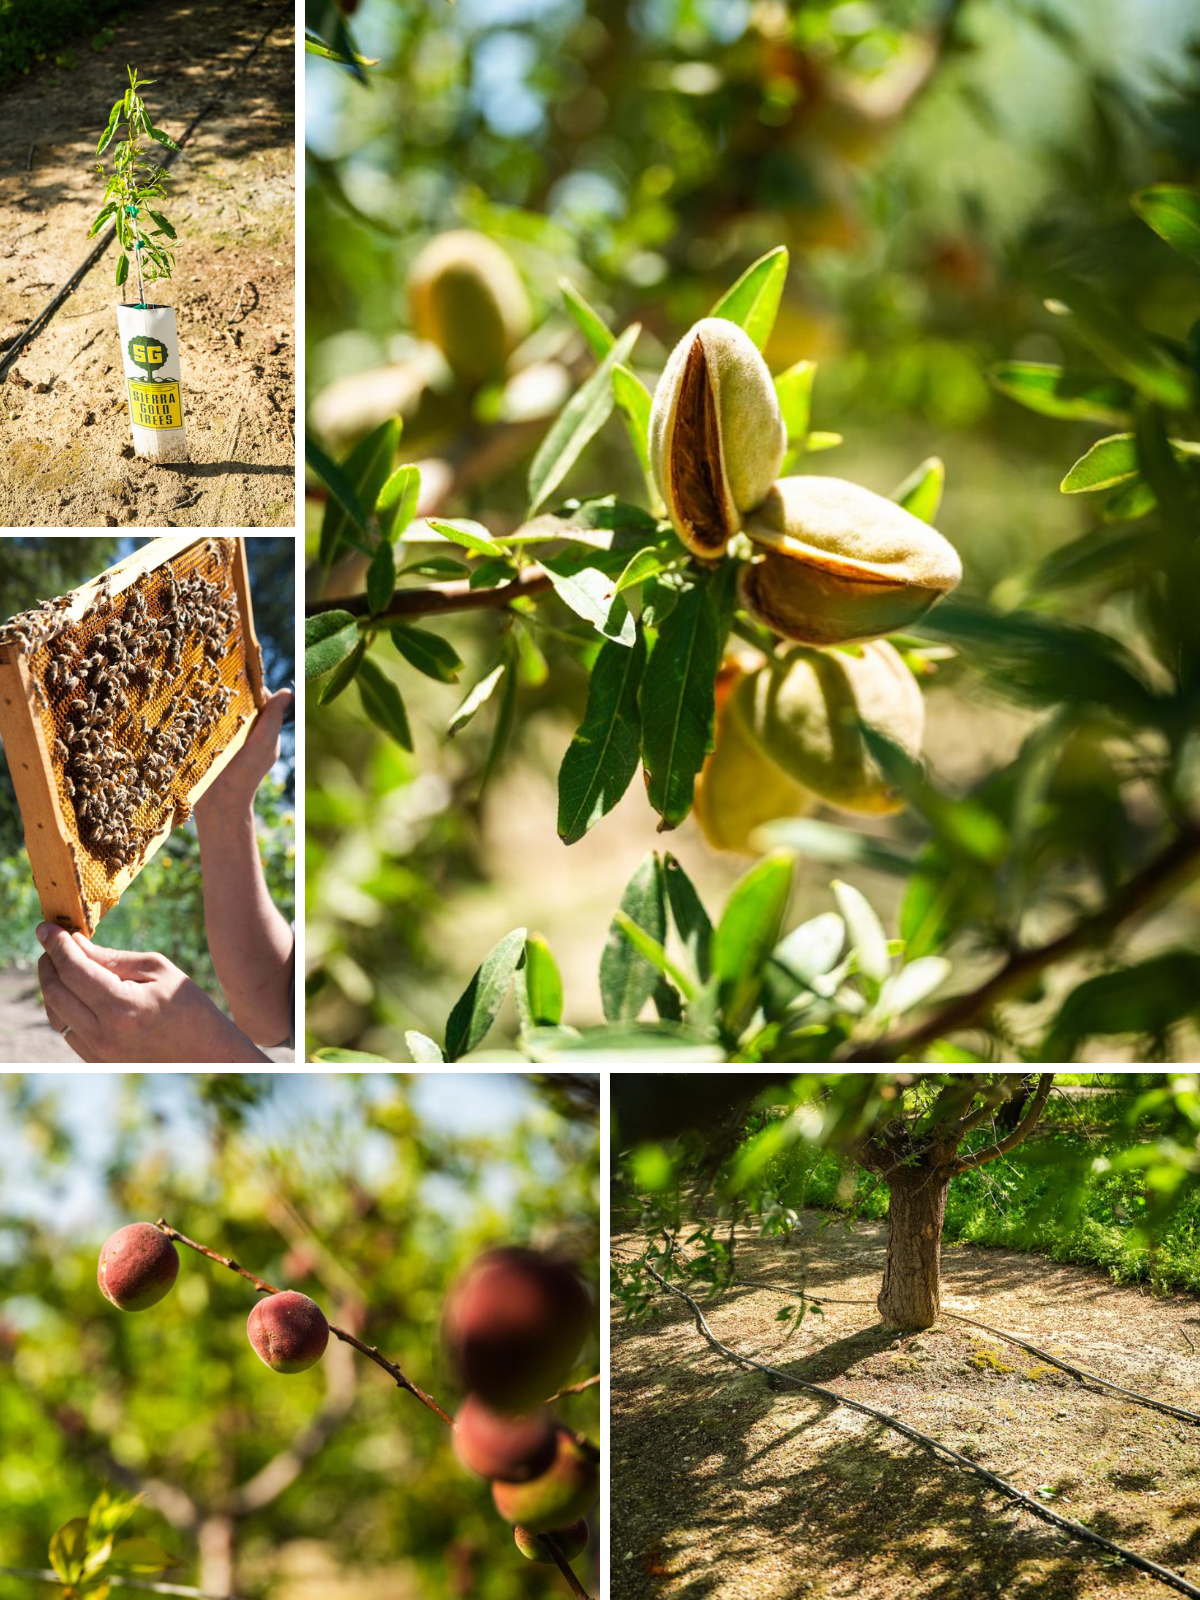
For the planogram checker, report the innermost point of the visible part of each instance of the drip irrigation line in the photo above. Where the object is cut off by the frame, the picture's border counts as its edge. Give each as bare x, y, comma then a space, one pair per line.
1164, 1575
42, 321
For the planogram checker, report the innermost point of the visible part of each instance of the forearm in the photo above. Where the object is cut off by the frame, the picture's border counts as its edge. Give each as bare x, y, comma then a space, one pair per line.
251, 945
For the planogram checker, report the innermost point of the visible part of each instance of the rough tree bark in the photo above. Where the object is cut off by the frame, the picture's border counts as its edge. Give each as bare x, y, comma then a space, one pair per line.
918, 1160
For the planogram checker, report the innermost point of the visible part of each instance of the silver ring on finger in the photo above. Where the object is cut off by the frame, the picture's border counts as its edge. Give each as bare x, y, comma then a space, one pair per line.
63, 1032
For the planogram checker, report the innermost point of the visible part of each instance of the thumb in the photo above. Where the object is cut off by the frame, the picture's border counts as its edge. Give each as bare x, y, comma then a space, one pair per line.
131, 966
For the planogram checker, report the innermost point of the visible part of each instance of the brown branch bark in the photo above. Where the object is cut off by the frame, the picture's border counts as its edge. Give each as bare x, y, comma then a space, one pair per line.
438, 599
1168, 870
1020, 1133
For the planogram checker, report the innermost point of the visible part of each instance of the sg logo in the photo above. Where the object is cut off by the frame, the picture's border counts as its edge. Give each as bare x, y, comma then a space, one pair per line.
147, 353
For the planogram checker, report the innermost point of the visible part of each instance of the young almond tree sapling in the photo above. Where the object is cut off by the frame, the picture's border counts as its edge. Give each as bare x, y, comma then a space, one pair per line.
149, 344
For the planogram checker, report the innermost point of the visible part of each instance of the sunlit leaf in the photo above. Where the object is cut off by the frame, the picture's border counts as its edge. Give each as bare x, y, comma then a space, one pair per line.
589, 322
627, 979
921, 492
1052, 392
753, 301
748, 930
479, 1005
1174, 213
603, 756
577, 424
383, 703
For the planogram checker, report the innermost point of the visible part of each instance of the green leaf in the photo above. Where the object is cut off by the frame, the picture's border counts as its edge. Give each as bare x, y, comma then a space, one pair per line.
620, 1044
328, 639
106, 138
478, 696
428, 652
592, 595
505, 715
383, 703
366, 469
1129, 351
316, 46
397, 502
381, 577
122, 269
1109, 462
470, 535
903, 991
424, 1051
793, 390
811, 951
1143, 1000
602, 758
68, 1549
343, 675
163, 224
162, 138
921, 492
678, 703
837, 846
746, 934
335, 1054
867, 938
655, 953
1174, 213
648, 563
822, 441
634, 402
753, 302
1048, 390
589, 322
479, 1004
543, 983
577, 424
627, 979
691, 920
101, 218
138, 1556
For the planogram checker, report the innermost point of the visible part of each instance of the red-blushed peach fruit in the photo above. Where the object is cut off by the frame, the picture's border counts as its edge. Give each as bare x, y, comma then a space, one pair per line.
566, 1491
138, 1266
572, 1541
492, 1444
288, 1331
514, 1324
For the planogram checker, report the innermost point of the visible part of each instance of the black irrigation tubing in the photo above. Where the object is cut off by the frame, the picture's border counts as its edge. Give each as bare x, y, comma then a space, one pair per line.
45, 316
1010, 1338
1172, 1580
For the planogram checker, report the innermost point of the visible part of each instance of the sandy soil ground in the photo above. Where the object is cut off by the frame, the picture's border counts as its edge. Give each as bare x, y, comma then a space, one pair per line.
28, 1040
66, 458
725, 1489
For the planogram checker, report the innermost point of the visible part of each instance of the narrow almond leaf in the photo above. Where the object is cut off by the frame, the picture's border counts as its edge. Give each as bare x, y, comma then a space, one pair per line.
812, 950
1173, 211
428, 652
479, 1004
648, 563
334, 1053
397, 502
381, 577
589, 322
365, 470
921, 492
585, 413
691, 920
603, 756
68, 1549
867, 938
424, 1051
678, 703
383, 703
592, 595
316, 46
627, 979
477, 697
655, 953
1147, 363
543, 983
1042, 387
122, 269
634, 402
328, 639
1107, 464
821, 441
912, 985
471, 535
793, 390
343, 675
136, 1556
163, 223
746, 934
753, 301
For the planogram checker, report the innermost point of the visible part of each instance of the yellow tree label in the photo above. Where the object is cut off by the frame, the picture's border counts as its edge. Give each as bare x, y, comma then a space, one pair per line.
155, 405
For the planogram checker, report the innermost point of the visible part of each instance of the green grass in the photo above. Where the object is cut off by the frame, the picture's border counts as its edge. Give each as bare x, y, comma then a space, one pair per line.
1044, 1197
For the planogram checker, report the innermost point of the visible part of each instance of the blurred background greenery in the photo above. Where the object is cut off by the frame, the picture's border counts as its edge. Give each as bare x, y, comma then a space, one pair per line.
369, 1194
934, 167
164, 908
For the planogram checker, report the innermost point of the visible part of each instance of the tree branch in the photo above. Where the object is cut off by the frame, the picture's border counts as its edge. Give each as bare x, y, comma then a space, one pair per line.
1020, 1133
440, 598
560, 1561
1168, 870
117, 1583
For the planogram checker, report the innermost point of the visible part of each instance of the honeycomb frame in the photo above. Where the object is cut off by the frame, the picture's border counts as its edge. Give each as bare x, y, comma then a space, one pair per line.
120, 703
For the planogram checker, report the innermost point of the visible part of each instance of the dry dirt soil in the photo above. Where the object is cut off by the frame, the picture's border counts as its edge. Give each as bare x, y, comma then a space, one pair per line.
727, 1488
65, 453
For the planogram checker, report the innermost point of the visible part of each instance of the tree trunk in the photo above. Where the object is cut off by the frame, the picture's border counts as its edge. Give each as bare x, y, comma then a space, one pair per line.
911, 1292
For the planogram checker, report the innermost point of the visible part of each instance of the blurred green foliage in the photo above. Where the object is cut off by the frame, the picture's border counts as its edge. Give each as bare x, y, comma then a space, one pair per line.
339, 1187
954, 184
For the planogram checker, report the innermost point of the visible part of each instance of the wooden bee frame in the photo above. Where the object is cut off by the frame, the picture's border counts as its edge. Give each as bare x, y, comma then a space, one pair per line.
194, 692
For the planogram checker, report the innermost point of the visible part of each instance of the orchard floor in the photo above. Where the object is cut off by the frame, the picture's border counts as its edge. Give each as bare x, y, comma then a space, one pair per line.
727, 1490
67, 459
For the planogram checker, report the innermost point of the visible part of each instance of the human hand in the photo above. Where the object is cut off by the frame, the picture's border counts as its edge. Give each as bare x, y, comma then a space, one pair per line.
116, 1005
237, 785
